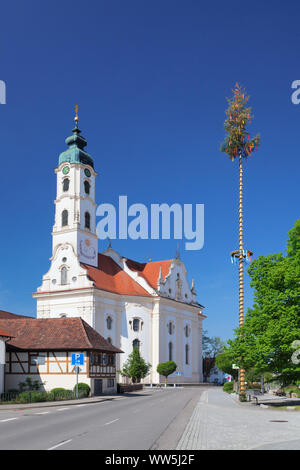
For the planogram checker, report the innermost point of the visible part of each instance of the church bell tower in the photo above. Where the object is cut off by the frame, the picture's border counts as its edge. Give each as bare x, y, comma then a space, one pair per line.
75, 207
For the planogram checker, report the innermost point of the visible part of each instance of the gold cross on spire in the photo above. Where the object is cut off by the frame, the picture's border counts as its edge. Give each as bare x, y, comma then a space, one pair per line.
76, 119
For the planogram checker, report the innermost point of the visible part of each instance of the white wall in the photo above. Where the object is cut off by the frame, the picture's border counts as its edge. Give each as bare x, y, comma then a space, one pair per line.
2, 363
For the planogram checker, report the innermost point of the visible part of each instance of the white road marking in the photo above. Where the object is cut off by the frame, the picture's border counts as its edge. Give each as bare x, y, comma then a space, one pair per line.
9, 419
106, 424
43, 413
60, 444
62, 409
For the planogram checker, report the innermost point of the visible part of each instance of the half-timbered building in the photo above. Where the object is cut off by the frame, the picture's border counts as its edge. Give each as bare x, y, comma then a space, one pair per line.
43, 348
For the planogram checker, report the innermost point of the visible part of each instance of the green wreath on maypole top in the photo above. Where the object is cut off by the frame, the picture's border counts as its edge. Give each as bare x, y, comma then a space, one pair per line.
237, 142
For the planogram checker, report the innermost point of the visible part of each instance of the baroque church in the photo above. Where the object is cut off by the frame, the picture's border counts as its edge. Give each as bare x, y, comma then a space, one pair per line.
131, 304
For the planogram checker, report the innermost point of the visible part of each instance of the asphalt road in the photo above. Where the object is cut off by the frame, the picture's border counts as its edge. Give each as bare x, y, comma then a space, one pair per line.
151, 419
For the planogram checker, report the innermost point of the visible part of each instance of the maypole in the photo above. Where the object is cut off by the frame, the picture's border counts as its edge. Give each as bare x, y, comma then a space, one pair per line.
241, 266
238, 145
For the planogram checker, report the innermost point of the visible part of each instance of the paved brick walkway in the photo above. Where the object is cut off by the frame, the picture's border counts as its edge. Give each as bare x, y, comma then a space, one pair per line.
219, 422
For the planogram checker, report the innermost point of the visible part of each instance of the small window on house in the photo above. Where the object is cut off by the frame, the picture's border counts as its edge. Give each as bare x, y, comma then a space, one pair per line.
87, 220
87, 187
33, 359
63, 274
136, 324
109, 323
104, 359
64, 218
110, 383
66, 184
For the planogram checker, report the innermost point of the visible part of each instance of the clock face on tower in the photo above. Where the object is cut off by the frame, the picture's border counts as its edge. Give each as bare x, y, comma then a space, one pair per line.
86, 249
87, 172
65, 170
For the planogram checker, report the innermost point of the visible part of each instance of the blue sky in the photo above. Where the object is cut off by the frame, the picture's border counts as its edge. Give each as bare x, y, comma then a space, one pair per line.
151, 79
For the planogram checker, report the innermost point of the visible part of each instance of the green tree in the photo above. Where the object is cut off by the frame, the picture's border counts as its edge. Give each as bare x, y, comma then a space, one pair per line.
273, 323
136, 368
166, 369
211, 347
224, 362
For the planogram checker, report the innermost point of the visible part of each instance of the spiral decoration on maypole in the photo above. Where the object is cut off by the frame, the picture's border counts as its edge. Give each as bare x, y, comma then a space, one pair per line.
238, 145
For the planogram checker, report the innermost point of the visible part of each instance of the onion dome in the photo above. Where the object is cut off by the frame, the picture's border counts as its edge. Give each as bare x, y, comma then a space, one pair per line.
76, 153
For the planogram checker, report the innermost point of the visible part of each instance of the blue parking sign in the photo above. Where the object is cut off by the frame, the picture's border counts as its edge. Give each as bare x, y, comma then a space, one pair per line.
77, 359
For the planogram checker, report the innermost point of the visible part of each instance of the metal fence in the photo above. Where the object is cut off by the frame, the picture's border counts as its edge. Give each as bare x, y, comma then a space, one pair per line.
33, 396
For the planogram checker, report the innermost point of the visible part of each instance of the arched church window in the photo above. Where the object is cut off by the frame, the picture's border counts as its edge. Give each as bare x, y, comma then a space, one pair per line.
109, 323
187, 350
187, 331
66, 184
170, 351
87, 187
136, 324
87, 220
171, 327
109, 340
64, 218
136, 344
64, 276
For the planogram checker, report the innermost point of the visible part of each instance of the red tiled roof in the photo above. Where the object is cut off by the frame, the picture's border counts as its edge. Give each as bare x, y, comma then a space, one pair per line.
150, 271
8, 315
4, 333
55, 334
110, 277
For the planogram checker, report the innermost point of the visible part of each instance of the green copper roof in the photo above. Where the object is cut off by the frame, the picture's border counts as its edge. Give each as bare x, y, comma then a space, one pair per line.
75, 152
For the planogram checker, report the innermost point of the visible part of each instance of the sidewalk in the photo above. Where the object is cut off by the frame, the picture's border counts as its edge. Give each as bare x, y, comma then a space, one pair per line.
220, 422
45, 404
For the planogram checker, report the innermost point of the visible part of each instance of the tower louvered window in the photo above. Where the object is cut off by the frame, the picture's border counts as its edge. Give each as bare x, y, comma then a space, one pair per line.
66, 184
87, 187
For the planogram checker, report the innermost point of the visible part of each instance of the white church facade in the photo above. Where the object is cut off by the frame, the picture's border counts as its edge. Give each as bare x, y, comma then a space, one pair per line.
146, 305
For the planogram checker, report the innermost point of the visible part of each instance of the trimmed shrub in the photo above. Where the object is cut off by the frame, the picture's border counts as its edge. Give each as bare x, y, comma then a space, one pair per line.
60, 394
228, 387
166, 369
83, 390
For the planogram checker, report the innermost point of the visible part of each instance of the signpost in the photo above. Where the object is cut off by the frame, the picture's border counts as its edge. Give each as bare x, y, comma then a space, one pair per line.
77, 360
178, 373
